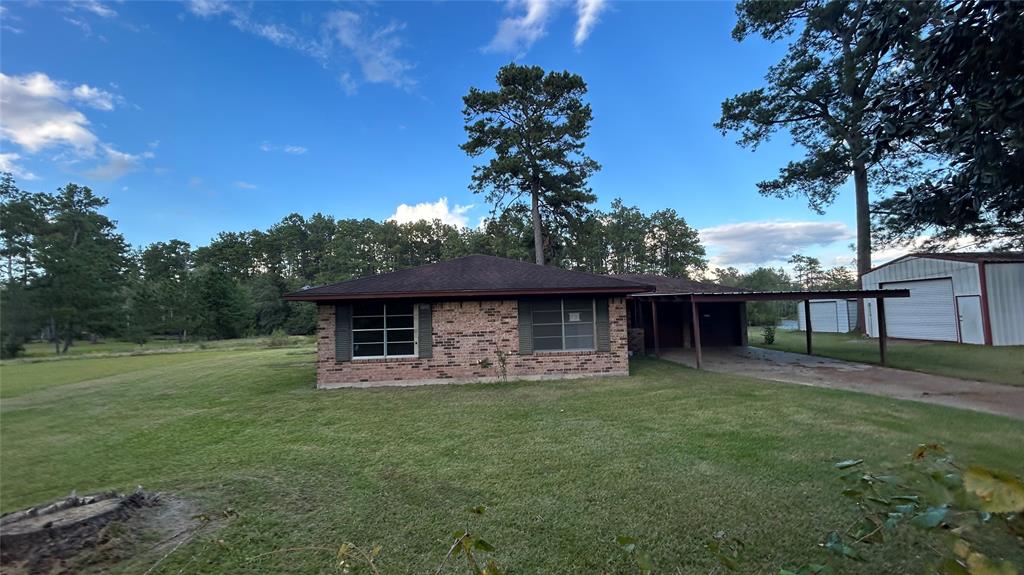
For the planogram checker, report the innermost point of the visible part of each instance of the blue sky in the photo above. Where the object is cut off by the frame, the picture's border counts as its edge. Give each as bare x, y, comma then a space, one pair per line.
195, 118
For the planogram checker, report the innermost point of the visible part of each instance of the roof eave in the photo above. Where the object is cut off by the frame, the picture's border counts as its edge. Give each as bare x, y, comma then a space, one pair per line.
620, 290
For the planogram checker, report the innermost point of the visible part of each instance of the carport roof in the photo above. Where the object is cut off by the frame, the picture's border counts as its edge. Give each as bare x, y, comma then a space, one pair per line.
737, 296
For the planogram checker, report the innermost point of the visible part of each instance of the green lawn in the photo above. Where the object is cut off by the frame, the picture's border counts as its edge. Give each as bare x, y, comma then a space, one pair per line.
670, 456
43, 350
1004, 364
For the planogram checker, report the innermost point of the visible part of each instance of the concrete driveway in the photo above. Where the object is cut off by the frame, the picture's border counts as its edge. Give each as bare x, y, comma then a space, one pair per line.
838, 374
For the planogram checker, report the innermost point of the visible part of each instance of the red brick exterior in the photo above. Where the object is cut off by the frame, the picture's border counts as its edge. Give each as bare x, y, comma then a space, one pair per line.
464, 333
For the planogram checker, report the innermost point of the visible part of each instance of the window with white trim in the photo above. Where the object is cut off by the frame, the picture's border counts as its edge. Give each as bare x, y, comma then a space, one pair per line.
381, 330
563, 324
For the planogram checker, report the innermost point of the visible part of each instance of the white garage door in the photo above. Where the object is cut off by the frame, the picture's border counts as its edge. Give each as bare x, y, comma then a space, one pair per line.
928, 313
824, 316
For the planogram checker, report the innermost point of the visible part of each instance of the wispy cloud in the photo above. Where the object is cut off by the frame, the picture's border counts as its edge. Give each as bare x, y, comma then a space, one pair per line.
245, 185
243, 17
9, 163
517, 33
430, 211
375, 49
769, 241
287, 148
39, 114
528, 20
100, 9
587, 12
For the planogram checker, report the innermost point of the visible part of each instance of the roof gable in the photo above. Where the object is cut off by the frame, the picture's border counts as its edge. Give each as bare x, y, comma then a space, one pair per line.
475, 275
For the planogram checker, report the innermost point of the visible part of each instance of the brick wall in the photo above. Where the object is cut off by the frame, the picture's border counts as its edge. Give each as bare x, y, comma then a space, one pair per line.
463, 334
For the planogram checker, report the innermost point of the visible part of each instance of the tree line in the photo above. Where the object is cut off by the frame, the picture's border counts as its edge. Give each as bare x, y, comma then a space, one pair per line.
68, 273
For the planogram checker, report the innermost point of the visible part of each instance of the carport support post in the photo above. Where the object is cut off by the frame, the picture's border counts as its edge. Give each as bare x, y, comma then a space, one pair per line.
807, 323
654, 318
882, 335
696, 332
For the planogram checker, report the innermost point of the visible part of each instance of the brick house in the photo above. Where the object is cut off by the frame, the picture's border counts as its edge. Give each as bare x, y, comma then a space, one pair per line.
464, 319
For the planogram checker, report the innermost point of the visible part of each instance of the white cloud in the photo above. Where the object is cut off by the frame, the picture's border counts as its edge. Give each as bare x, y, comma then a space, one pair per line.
207, 8
195, 182
348, 83
94, 97
517, 33
772, 241
430, 211
376, 50
95, 7
37, 115
587, 12
118, 164
245, 185
287, 148
8, 163
242, 17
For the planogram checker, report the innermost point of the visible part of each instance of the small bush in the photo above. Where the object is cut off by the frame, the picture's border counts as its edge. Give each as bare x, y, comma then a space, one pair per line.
768, 334
11, 348
278, 339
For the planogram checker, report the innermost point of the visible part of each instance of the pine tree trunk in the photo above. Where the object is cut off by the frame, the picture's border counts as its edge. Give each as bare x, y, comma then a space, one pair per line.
538, 236
53, 335
860, 185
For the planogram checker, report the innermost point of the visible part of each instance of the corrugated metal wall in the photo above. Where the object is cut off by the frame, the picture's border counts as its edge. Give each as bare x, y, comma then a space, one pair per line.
842, 321
1005, 286
964, 276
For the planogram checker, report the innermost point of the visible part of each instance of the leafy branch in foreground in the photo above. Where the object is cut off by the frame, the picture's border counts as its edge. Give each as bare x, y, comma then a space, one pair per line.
967, 509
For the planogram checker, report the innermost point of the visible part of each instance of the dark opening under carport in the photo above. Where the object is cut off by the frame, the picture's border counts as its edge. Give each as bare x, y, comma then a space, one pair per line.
692, 304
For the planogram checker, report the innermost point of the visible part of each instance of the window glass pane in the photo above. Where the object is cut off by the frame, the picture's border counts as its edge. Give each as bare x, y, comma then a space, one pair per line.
375, 336
579, 342
399, 321
368, 322
367, 349
547, 317
576, 329
547, 343
399, 309
547, 331
401, 348
547, 305
400, 335
368, 308
579, 304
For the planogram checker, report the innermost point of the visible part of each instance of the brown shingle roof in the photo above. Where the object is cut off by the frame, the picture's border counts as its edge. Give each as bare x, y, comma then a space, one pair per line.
475, 275
665, 284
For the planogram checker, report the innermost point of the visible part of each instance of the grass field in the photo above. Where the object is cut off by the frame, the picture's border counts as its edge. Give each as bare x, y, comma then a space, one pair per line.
1004, 364
670, 456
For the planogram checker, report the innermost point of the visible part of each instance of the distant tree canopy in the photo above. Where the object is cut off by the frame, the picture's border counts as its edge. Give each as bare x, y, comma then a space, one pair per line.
68, 273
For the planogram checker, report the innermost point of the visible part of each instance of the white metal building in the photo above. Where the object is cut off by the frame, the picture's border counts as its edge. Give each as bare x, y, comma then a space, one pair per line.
967, 297
829, 315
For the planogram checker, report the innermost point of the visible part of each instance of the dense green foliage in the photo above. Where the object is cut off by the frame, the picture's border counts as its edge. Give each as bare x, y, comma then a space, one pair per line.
67, 267
960, 96
668, 456
535, 126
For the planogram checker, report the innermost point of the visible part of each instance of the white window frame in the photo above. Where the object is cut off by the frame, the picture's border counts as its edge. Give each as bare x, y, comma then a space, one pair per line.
385, 329
561, 308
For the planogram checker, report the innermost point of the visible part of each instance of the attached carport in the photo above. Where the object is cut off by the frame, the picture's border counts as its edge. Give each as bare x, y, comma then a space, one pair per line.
721, 316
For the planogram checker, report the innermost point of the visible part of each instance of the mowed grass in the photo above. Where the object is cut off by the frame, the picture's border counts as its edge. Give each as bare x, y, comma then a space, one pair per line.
1003, 364
669, 456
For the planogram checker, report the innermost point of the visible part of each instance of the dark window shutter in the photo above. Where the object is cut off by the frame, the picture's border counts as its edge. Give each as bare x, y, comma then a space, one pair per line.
525, 328
342, 332
426, 331
604, 340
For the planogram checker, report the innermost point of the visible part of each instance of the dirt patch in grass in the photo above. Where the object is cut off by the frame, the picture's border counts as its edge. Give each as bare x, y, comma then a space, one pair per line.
88, 534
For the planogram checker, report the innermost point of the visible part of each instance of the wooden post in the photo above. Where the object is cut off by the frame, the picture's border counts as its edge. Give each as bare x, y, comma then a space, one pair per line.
882, 334
654, 318
807, 324
696, 332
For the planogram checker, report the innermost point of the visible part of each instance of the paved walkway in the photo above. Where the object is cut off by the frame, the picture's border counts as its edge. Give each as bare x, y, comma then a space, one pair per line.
838, 374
